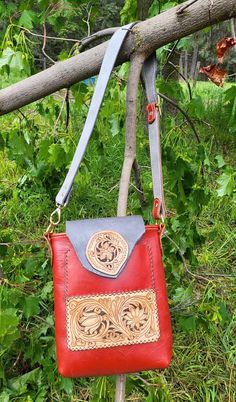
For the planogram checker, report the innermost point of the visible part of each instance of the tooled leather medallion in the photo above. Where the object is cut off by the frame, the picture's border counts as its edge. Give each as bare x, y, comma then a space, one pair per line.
107, 251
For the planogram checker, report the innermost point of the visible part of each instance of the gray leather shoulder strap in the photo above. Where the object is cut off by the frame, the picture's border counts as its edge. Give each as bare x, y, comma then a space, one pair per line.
149, 80
109, 60
149, 72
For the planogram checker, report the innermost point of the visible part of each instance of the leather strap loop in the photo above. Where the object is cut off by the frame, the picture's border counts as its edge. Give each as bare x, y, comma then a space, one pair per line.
149, 71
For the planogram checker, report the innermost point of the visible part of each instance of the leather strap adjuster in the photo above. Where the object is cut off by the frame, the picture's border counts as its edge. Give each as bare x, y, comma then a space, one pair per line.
151, 112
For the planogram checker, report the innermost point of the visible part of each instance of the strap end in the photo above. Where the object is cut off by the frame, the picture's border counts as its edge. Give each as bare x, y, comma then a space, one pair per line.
158, 212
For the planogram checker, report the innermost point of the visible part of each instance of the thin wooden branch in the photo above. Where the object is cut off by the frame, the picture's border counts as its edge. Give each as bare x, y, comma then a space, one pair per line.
146, 37
87, 20
140, 192
189, 120
85, 42
120, 388
170, 53
232, 28
44, 44
130, 144
67, 98
58, 38
182, 76
59, 115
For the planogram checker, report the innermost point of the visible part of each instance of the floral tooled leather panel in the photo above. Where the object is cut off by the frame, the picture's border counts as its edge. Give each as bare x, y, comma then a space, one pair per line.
126, 318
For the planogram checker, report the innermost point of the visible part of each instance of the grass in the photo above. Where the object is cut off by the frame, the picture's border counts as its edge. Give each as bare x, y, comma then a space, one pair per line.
202, 304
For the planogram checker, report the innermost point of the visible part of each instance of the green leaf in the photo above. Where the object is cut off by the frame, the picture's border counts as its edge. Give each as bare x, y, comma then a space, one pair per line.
4, 396
20, 383
31, 306
129, 11
226, 183
230, 94
220, 161
172, 89
6, 57
224, 312
8, 328
196, 107
188, 324
16, 62
182, 294
27, 18
67, 385
115, 129
47, 289
57, 155
2, 142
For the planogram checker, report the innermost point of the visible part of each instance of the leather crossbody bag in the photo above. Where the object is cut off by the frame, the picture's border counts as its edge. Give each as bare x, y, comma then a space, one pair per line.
111, 308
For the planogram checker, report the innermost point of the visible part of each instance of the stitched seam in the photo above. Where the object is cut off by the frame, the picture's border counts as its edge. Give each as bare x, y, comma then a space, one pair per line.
66, 280
153, 284
151, 264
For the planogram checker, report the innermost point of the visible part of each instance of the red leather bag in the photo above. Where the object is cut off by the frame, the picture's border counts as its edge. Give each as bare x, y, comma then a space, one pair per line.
111, 309
133, 307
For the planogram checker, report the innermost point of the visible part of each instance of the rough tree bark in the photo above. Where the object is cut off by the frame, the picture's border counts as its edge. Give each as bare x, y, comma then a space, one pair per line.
146, 37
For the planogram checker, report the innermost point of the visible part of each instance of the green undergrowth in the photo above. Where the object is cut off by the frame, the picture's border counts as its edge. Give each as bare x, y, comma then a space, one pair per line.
200, 192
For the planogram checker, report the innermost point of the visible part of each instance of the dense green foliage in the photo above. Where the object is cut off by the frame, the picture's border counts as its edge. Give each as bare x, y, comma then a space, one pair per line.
36, 147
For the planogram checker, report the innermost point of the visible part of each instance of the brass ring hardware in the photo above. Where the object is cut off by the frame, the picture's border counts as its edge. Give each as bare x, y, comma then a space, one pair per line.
54, 220
162, 219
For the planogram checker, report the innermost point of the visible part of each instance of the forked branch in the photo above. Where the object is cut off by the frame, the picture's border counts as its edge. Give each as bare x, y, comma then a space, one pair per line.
136, 63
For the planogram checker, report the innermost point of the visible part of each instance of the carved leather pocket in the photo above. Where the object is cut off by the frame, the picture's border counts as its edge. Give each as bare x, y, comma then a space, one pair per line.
108, 320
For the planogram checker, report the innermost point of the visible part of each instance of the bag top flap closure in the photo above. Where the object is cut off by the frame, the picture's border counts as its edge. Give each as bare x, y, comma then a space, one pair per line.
104, 245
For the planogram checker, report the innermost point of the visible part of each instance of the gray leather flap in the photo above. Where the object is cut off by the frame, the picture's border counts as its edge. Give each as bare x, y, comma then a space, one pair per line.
80, 232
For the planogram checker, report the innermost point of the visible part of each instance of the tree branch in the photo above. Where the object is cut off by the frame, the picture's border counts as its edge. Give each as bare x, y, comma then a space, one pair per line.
139, 187
100, 34
130, 144
120, 388
171, 53
182, 76
146, 37
58, 38
44, 44
189, 120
